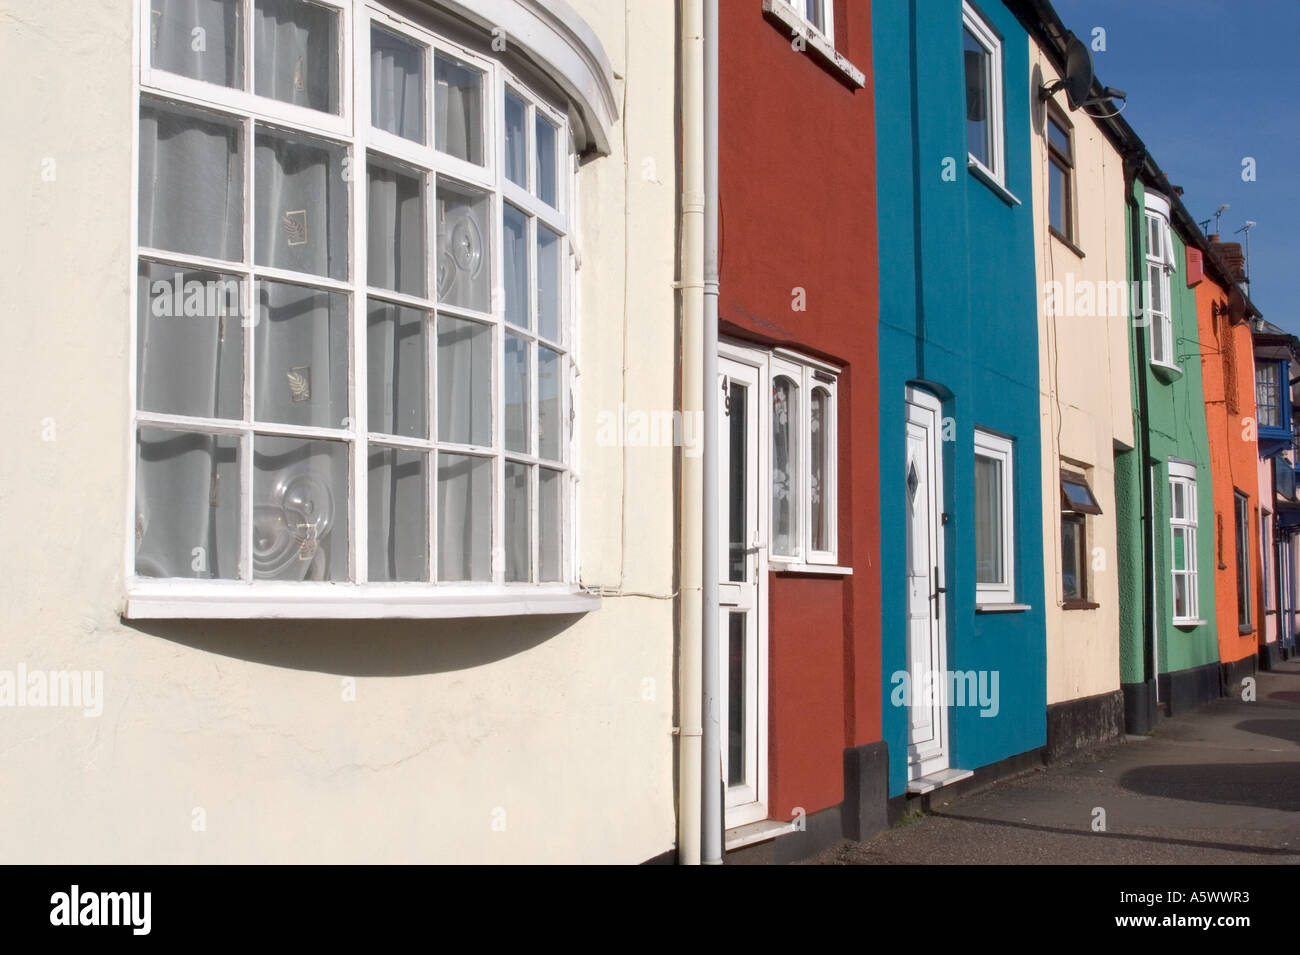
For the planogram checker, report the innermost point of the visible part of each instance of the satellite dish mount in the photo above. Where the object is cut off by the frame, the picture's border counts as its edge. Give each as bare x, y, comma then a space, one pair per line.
1078, 78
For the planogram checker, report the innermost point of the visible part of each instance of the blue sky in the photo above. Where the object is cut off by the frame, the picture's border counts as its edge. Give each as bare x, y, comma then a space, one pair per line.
1209, 83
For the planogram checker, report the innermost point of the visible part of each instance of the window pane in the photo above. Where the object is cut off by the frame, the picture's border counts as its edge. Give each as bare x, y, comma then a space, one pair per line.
516, 151
817, 14
463, 267
514, 235
549, 514
186, 504
736, 673
518, 524
399, 515
296, 53
518, 392
191, 183
464, 381
464, 517
396, 85
1057, 136
1057, 187
977, 97
738, 481
458, 109
395, 247
1180, 596
396, 395
203, 39
820, 469
989, 564
785, 466
300, 356
300, 509
548, 283
190, 343
545, 167
302, 204
550, 424
1179, 509
1070, 567
1180, 549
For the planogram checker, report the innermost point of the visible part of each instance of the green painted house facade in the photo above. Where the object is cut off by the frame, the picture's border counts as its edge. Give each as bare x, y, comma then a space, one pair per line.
1168, 647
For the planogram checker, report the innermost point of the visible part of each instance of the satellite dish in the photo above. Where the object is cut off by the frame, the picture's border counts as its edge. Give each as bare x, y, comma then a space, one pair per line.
1077, 82
1236, 306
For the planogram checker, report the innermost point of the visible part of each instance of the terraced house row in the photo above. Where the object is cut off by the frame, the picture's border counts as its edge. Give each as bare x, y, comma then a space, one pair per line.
559, 430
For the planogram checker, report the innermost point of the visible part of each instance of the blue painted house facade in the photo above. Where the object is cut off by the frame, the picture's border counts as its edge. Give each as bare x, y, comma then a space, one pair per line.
963, 646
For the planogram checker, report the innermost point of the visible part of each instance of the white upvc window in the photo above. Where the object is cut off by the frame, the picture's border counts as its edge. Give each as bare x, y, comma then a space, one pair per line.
982, 61
818, 14
1266, 558
353, 333
995, 571
804, 460
1160, 264
1182, 523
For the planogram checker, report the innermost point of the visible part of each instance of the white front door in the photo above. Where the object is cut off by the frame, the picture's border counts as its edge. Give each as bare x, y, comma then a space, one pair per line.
927, 736
742, 588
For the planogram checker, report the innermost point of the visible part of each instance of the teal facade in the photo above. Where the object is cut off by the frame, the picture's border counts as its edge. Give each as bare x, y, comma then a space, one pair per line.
958, 318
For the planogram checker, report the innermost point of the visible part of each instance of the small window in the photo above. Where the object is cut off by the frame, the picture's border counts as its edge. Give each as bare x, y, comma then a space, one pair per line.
1183, 527
1077, 502
982, 57
1268, 401
1242, 507
1060, 177
818, 14
994, 519
1266, 558
803, 466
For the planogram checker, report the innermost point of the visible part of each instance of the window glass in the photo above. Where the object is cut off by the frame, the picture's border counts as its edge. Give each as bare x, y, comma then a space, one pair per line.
785, 466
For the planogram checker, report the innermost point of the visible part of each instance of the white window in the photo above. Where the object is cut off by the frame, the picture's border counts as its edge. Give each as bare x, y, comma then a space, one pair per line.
982, 59
803, 460
354, 328
994, 519
818, 14
1160, 263
1182, 522
1266, 558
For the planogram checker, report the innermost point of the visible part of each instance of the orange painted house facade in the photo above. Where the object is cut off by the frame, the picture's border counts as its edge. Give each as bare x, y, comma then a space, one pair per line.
1228, 377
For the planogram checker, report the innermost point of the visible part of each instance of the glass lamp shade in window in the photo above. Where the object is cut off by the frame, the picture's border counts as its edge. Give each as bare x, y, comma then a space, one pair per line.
785, 466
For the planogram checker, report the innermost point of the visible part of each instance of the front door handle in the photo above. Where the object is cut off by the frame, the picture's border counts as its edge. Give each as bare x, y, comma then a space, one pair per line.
937, 591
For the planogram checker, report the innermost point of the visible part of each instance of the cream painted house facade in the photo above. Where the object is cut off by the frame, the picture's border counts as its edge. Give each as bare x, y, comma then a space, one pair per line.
1084, 408
193, 540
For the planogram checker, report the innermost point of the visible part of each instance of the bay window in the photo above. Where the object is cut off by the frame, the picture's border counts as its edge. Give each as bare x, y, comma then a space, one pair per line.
1160, 263
353, 335
803, 483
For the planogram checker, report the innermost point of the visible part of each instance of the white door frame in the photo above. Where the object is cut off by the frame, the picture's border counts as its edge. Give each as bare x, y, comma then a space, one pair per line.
746, 801
925, 589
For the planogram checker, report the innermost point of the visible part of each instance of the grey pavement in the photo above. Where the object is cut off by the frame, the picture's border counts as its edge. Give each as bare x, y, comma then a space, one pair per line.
1218, 785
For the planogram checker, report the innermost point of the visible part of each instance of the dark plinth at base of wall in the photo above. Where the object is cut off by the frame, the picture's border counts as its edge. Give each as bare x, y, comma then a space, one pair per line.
1076, 725
1187, 689
861, 815
1139, 707
984, 776
1270, 656
1231, 674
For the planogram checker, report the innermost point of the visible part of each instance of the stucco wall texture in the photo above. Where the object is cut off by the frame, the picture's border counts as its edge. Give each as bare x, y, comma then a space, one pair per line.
485, 739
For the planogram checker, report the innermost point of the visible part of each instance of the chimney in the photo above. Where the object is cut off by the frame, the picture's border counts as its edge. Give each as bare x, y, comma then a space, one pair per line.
1231, 255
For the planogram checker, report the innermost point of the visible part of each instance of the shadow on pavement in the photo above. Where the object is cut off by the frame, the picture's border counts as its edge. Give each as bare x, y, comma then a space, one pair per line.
1266, 785
1288, 730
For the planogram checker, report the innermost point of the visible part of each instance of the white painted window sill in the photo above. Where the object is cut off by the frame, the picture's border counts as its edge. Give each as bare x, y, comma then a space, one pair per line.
797, 567
1190, 624
983, 175
238, 600
1002, 608
816, 43
754, 833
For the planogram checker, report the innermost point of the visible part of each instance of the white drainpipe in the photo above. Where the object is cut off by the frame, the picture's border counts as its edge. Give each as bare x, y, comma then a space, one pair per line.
691, 283
711, 823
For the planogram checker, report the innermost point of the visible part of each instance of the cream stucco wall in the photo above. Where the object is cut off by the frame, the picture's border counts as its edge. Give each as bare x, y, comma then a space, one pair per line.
1083, 393
560, 727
